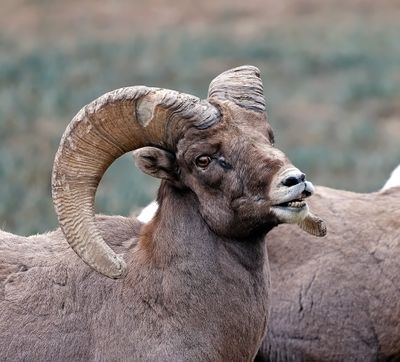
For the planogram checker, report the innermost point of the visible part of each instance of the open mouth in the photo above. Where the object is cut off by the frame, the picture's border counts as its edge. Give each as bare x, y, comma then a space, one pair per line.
290, 204
291, 211
296, 203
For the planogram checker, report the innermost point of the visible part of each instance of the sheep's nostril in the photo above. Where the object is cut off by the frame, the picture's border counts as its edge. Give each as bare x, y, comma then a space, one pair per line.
293, 180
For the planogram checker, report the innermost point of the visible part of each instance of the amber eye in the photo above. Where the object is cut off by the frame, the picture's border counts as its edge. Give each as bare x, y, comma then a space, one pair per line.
203, 161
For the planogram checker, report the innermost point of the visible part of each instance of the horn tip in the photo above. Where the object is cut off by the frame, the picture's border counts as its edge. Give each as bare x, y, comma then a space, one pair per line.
118, 270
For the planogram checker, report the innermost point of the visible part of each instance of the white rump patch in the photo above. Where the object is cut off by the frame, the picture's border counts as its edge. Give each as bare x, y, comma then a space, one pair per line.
148, 212
394, 179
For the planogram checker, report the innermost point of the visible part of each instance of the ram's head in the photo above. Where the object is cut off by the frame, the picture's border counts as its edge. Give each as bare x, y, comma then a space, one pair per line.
220, 150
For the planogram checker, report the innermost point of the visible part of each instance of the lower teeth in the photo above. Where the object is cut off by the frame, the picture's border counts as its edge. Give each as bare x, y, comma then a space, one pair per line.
296, 204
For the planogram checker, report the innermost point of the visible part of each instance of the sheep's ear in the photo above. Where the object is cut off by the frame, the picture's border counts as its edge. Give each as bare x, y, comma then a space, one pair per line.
313, 225
156, 162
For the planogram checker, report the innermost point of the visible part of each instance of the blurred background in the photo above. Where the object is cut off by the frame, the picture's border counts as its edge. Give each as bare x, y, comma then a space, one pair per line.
331, 72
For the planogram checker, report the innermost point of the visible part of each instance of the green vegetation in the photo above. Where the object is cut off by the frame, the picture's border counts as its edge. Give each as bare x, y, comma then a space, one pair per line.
333, 101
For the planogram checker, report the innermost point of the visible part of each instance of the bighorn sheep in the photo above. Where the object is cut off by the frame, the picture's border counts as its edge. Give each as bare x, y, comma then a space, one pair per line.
338, 300
193, 283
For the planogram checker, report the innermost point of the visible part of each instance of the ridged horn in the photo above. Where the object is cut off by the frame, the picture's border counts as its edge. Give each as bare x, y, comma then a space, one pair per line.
242, 86
117, 122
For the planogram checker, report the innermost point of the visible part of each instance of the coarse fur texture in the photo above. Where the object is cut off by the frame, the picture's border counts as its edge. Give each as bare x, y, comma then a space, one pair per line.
191, 285
337, 300
54, 307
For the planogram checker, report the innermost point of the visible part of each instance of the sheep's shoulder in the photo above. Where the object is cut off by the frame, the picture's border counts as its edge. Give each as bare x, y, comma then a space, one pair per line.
35, 270
47, 293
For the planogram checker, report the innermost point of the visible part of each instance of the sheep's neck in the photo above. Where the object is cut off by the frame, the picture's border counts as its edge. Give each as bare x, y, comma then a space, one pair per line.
214, 290
179, 231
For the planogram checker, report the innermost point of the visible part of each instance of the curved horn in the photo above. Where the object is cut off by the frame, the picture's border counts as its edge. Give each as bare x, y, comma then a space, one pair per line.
115, 123
242, 86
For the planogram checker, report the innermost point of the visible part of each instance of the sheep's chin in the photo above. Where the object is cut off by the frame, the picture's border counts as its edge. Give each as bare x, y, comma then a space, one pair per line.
302, 217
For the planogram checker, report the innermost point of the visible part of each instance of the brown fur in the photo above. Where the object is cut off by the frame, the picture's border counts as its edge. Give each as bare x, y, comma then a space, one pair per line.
197, 286
197, 280
337, 299
54, 307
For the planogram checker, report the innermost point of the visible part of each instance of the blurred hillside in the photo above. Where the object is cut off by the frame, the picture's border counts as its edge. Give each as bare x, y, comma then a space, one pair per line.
331, 72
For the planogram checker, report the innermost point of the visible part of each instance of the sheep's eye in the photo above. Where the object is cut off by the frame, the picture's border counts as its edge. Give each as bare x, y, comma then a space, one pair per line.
203, 161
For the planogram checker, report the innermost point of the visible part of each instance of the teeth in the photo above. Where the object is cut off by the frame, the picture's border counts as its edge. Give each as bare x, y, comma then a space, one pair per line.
296, 204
